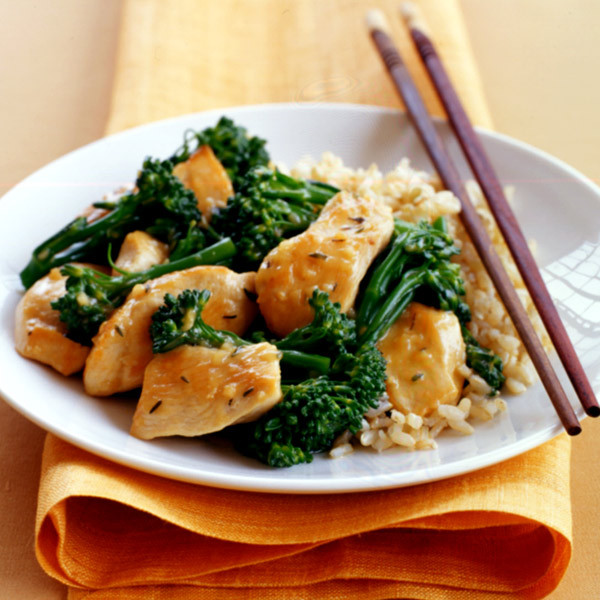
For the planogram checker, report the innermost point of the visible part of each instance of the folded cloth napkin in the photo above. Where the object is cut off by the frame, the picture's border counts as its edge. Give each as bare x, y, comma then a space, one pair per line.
499, 532
110, 532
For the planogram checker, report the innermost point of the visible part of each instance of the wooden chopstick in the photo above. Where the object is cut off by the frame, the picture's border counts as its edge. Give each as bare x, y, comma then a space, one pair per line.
470, 219
505, 218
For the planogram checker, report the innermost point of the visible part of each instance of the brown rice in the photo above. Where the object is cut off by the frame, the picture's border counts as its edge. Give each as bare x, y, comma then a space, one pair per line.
415, 195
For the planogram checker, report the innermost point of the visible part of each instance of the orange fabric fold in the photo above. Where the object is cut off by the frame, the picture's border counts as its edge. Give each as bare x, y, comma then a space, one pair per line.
110, 532
501, 531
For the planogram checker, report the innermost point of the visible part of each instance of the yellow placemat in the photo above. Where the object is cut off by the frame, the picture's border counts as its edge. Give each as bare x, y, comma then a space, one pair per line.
113, 533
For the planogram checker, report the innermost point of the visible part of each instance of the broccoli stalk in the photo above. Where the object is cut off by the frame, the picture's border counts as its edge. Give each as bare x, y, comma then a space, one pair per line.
91, 296
179, 321
267, 209
160, 204
417, 266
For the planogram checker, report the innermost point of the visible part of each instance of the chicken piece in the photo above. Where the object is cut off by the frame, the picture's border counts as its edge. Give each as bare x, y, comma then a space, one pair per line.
333, 254
123, 347
204, 174
424, 350
140, 251
194, 390
39, 333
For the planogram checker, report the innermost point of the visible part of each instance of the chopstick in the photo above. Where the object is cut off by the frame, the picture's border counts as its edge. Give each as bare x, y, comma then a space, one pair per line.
507, 223
448, 173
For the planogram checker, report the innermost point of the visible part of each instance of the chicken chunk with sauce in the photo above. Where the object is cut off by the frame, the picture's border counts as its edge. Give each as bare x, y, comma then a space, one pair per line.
204, 174
39, 332
333, 254
194, 390
123, 347
424, 350
140, 251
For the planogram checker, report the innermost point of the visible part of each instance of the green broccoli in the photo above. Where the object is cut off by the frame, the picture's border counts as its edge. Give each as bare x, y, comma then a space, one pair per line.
267, 209
417, 266
194, 239
179, 321
238, 152
314, 412
330, 330
91, 296
160, 204
483, 361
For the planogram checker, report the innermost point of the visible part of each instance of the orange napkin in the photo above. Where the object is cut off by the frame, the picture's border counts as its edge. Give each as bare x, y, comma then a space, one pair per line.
110, 532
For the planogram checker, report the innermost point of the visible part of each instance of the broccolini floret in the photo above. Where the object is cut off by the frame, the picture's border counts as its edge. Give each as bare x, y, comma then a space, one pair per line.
314, 412
160, 204
179, 322
483, 361
237, 151
268, 208
330, 330
91, 296
417, 266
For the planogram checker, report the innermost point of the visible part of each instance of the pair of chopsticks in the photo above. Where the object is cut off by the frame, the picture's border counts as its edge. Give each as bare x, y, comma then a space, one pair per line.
506, 221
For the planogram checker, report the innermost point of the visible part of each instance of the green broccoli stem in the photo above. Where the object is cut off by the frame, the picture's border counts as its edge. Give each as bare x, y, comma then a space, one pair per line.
440, 224
406, 235
301, 191
160, 198
310, 362
216, 338
78, 237
114, 287
395, 304
219, 252
390, 268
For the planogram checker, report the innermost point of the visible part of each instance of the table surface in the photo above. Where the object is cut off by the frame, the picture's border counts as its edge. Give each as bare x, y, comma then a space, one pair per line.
538, 60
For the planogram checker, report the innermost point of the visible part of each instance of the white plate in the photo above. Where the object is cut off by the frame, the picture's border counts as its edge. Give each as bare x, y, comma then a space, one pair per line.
555, 205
